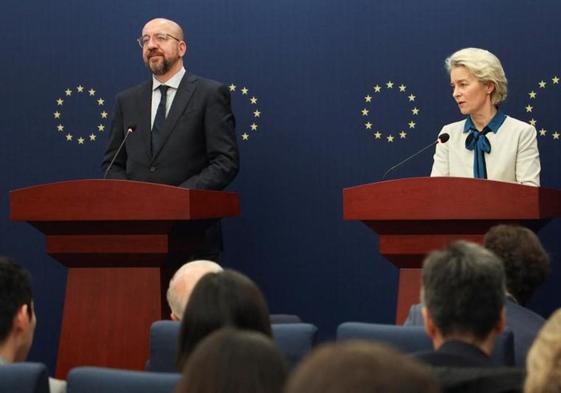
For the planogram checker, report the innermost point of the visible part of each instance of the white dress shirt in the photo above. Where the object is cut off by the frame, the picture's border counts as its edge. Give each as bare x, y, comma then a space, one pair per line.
173, 84
514, 153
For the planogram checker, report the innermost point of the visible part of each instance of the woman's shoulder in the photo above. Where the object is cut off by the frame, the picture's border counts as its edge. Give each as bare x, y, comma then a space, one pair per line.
457, 126
518, 125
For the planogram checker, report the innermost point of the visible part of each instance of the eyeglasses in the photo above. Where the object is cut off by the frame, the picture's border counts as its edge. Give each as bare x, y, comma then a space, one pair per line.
160, 38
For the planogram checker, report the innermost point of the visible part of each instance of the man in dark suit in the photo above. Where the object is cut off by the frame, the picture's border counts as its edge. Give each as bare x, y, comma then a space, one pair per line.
183, 126
526, 266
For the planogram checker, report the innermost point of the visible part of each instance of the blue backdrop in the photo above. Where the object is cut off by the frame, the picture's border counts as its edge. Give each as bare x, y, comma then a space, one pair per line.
337, 92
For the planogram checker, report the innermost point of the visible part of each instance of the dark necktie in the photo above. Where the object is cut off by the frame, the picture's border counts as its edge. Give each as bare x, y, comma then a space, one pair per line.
478, 142
159, 120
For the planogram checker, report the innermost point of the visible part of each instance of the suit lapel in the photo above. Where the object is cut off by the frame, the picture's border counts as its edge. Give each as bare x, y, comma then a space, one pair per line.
145, 105
182, 97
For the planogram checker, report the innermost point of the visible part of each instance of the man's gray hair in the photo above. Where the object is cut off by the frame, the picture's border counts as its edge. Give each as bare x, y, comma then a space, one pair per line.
463, 289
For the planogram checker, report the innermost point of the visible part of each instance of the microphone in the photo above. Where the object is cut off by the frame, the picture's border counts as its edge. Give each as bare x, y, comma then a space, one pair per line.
130, 130
442, 138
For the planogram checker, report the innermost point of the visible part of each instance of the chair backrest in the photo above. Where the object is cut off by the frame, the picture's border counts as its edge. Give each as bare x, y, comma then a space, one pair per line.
411, 339
284, 318
96, 379
25, 377
294, 340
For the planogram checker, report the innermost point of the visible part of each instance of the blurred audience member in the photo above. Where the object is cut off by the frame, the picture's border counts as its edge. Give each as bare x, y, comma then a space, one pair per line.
182, 283
234, 361
544, 359
224, 299
360, 367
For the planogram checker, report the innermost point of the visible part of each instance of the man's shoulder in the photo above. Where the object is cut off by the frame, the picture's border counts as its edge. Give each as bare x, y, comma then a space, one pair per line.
520, 315
205, 83
135, 90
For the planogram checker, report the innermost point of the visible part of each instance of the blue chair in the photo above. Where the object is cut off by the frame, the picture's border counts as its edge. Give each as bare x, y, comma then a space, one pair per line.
25, 377
96, 379
284, 318
294, 340
411, 339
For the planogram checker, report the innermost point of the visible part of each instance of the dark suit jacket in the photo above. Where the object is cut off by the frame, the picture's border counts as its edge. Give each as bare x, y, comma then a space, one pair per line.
523, 322
455, 354
198, 150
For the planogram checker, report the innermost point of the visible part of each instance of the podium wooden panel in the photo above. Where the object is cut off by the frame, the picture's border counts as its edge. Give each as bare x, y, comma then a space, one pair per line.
121, 241
417, 215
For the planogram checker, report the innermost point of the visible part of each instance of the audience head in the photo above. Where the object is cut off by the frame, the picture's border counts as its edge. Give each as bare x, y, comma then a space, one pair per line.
485, 67
360, 367
525, 261
543, 364
224, 299
234, 361
17, 317
182, 283
463, 294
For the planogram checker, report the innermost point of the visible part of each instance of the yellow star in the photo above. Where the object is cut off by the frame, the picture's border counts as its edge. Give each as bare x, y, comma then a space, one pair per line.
555, 80
411, 98
390, 138
389, 85
402, 88
60, 128
68, 137
100, 101
59, 101
245, 136
529, 108
368, 125
253, 100
57, 115
377, 135
377, 88
253, 127
104, 115
368, 98
415, 111
543, 132
403, 134
244, 91
533, 122
92, 137
556, 135
68, 92
80, 89
364, 112
532, 94
257, 113
92, 92
412, 124
232, 87
101, 128
542, 84
80, 141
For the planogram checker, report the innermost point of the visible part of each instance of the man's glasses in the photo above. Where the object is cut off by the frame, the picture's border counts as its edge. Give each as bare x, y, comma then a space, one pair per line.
160, 38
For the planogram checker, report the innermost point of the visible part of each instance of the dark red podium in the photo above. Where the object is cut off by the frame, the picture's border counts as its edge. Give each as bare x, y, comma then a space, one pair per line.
121, 241
415, 216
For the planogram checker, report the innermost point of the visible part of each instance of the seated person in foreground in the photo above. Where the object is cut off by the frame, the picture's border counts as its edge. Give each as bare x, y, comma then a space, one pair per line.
487, 144
526, 265
463, 295
234, 361
360, 367
544, 359
223, 299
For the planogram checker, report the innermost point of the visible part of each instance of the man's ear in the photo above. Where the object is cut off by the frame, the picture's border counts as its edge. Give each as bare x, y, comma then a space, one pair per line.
501, 323
430, 328
22, 319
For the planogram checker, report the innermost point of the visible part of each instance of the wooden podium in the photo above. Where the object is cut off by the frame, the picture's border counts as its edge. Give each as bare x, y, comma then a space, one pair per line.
121, 241
417, 215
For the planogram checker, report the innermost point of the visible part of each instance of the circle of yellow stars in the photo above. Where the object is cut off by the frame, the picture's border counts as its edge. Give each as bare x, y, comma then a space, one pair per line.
532, 96
255, 114
389, 136
72, 136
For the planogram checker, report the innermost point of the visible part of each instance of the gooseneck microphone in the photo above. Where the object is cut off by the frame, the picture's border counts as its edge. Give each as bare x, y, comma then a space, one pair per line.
442, 138
130, 130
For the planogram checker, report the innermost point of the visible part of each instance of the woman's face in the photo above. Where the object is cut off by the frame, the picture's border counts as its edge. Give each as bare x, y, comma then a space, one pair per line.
472, 96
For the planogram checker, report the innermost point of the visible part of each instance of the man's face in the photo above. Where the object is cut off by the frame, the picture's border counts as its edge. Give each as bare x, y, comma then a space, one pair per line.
163, 46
